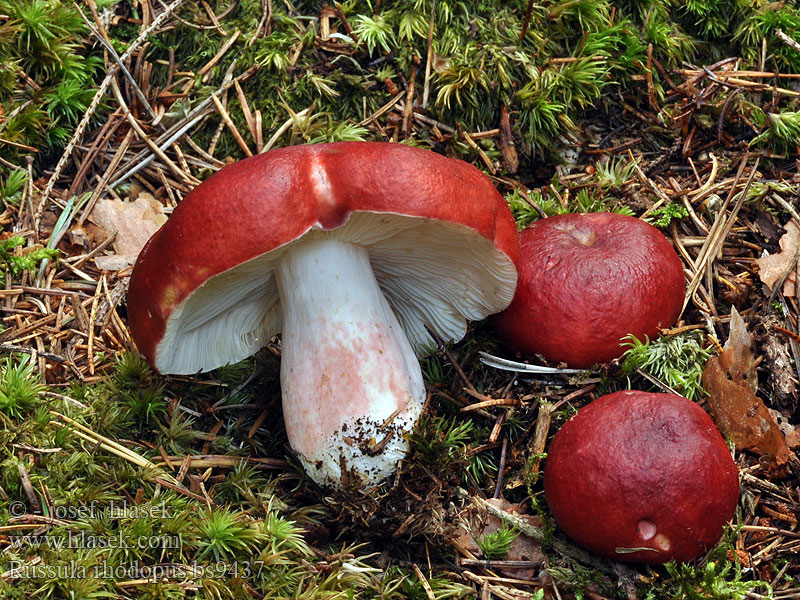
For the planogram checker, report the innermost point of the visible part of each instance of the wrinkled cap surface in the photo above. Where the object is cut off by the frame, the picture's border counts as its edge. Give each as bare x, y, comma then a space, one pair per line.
441, 239
637, 476
586, 281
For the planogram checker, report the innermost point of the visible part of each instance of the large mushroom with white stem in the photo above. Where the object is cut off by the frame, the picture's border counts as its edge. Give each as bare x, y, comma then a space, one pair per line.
355, 252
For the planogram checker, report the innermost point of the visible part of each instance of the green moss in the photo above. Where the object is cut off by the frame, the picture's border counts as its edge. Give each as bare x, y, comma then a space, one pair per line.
676, 360
715, 578
495, 545
19, 390
46, 40
663, 216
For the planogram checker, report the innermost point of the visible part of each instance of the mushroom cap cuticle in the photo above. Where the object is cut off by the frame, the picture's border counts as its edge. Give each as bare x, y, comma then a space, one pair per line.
641, 476
586, 281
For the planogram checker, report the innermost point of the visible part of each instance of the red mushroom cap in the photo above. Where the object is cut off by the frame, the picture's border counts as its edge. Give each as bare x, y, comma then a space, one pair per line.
259, 205
641, 470
586, 281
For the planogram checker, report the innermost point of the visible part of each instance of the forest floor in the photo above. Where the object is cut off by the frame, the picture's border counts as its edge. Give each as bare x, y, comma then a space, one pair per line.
87, 425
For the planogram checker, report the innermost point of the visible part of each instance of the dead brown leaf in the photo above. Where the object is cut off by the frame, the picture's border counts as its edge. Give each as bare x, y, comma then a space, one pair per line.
475, 524
772, 267
134, 222
741, 416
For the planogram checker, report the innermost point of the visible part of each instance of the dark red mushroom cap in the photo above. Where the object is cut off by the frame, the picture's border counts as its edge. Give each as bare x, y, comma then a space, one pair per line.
586, 281
636, 470
442, 242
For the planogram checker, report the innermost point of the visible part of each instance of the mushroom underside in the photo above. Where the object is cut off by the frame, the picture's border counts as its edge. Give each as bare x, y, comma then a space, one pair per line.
434, 275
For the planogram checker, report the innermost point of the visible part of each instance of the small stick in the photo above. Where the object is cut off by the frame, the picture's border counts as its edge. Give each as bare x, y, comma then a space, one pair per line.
723, 113
264, 23
90, 340
787, 40
425, 585
497, 427
648, 73
657, 382
489, 402
204, 71
711, 177
258, 423
171, 67
488, 133
213, 163
429, 60
484, 157
282, 129
182, 490
347, 27
28, 187
181, 158
218, 133
99, 35
514, 564
213, 17
409, 108
145, 138
83, 258
223, 461
18, 145
231, 126
27, 486
543, 420
501, 468
428, 121
107, 444
258, 134
52, 357
248, 116
115, 161
456, 366
383, 109
527, 22
518, 367
106, 131
167, 187
729, 81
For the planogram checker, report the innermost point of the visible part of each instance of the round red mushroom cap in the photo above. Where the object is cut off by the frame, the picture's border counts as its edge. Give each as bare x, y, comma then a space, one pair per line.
586, 280
643, 477
202, 293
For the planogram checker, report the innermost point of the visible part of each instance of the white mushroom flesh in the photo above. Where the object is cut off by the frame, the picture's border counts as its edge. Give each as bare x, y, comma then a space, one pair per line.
351, 383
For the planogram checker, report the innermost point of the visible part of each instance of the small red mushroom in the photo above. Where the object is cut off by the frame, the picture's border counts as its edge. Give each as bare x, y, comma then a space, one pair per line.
354, 252
643, 477
588, 280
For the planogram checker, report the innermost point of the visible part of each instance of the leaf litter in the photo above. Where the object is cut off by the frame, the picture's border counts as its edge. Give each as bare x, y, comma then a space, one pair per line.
731, 382
781, 267
133, 222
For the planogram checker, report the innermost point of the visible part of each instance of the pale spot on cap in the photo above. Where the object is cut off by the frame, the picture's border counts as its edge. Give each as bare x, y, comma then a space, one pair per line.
662, 542
646, 529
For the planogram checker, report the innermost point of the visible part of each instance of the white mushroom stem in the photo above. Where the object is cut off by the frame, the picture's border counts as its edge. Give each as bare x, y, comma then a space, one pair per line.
351, 383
